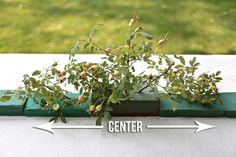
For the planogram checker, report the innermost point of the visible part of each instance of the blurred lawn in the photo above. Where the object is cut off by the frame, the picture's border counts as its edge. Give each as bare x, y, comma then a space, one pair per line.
53, 26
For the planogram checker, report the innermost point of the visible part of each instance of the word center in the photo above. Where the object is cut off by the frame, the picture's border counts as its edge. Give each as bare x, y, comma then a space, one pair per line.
125, 126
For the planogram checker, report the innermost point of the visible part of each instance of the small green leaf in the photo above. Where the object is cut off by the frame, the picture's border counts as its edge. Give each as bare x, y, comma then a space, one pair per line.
181, 58
194, 59
114, 97
33, 82
179, 66
5, 98
132, 36
53, 119
99, 121
36, 72
43, 91
176, 56
22, 92
86, 45
63, 119
218, 73
197, 64
109, 108
218, 78
191, 62
146, 35
107, 115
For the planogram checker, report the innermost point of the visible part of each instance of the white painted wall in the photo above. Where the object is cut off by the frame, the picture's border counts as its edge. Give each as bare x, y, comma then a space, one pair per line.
14, 66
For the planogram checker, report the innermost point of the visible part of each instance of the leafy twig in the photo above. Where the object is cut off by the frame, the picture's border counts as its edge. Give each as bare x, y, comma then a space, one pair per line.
157, 77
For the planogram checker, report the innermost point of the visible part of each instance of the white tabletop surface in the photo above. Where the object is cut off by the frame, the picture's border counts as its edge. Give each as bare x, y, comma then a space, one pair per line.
19, 139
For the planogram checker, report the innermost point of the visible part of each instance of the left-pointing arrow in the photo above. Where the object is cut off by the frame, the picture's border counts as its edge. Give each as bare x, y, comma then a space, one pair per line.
49, 127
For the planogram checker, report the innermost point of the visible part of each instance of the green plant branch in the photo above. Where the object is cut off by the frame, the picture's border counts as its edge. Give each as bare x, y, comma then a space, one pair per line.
61, 93
157, 77
95, 45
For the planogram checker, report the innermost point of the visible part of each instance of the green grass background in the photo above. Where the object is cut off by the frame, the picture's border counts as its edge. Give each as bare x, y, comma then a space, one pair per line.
53, 26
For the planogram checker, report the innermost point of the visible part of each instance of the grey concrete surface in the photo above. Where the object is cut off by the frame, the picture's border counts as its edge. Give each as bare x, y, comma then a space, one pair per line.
18, 138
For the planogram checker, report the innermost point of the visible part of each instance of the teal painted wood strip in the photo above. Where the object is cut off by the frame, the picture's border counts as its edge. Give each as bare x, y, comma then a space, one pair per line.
229, 100
13, 107
184, 109
33, 109
136, 107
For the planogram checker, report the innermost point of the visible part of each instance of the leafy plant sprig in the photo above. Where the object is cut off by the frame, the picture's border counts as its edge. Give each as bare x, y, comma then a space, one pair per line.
113, 80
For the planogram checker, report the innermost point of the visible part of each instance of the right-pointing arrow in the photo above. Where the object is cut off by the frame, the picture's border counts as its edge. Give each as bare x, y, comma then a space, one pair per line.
199, 126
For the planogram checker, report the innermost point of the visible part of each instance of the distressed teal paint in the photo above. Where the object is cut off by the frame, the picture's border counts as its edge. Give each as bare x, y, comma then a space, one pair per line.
141, 104
33, 109
184, 109
13, 107
229, 100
